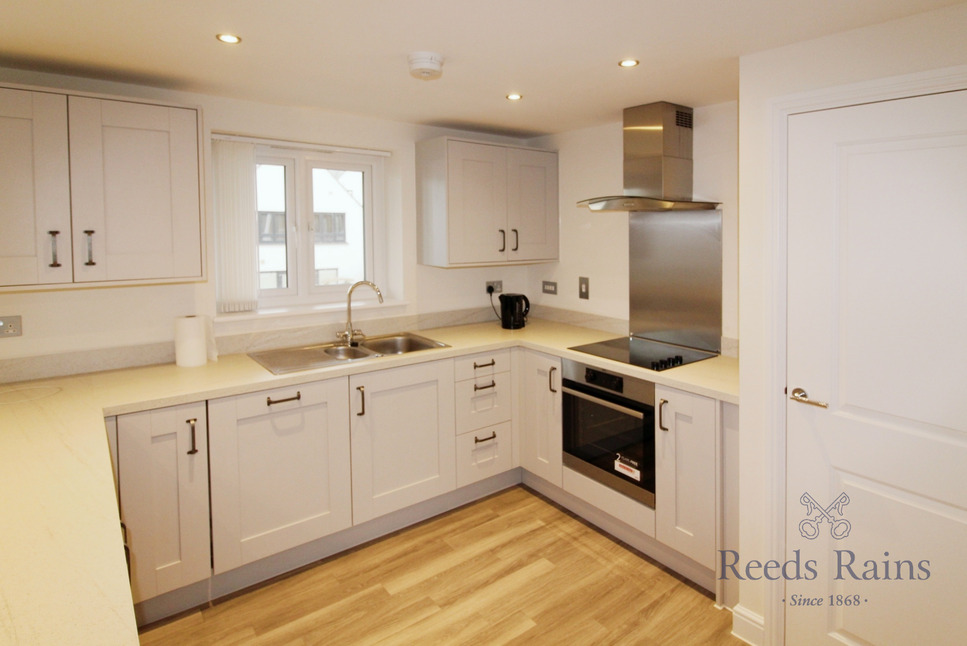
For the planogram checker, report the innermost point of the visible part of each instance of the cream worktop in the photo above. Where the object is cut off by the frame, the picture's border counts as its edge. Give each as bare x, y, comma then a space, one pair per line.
62, 570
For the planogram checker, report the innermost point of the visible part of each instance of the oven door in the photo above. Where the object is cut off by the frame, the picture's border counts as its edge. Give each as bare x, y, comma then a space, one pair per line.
610, 439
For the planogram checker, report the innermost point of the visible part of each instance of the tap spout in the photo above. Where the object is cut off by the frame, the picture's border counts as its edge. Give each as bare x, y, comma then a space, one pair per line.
351, 335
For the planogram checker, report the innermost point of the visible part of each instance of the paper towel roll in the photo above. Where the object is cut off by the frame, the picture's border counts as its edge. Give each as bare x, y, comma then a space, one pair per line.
191, 341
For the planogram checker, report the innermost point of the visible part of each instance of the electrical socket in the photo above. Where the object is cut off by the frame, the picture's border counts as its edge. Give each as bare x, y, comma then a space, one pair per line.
584, 290
10, 326
497, 285
549, 287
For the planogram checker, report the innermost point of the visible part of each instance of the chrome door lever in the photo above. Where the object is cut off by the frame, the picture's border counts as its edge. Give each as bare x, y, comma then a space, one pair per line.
800, 395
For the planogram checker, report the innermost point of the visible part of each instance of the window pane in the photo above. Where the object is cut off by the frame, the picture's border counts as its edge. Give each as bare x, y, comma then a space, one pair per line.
339, 241
270, 199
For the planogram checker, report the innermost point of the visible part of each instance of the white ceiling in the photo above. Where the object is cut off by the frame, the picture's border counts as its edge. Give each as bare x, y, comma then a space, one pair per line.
351, 55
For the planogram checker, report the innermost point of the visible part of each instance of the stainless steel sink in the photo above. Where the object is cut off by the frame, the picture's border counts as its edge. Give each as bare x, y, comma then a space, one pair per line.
400, 343
308, 357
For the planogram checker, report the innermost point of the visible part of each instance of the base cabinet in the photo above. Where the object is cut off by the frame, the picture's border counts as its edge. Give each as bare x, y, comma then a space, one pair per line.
540, 416
685, 473
403, 437
163, 490
280, 470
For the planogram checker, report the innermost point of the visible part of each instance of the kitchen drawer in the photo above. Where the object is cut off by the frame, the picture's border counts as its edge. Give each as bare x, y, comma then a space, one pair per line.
484, 364
276, 400
484, 453
483, 401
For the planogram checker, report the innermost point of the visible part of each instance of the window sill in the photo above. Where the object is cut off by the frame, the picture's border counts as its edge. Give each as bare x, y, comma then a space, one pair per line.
305, 315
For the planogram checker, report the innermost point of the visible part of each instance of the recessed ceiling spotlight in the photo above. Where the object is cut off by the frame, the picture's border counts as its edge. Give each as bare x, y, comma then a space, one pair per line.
426, 66
228, 39
628, 62
513, 96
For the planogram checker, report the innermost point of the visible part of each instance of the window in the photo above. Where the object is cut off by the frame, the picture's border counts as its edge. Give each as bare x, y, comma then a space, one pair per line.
314, 218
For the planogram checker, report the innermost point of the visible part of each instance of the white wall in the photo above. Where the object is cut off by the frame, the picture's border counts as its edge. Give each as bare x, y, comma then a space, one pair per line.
596, 244
90, 319
924, 42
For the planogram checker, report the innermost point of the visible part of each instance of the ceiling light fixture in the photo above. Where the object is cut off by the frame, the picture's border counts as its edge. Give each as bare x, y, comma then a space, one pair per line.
426, 66
628, 62
513, 96
228, 39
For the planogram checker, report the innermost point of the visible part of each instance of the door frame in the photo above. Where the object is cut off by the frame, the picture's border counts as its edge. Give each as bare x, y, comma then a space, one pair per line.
881, 89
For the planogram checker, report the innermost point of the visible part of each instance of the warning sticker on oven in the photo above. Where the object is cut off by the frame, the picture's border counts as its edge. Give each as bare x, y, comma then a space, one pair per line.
628, 467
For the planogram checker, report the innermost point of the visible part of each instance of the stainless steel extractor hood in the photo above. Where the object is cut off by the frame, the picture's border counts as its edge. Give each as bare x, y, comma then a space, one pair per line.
657, 162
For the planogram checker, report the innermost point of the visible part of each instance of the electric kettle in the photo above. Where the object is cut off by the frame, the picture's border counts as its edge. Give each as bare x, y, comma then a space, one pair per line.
513, 311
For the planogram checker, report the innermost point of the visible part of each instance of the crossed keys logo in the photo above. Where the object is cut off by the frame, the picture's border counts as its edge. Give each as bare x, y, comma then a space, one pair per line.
816, 514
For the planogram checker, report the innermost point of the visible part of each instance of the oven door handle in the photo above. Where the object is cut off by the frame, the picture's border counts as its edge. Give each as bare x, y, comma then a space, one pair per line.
637, 414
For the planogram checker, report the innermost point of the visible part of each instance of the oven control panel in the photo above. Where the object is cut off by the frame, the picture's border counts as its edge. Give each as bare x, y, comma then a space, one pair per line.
604, 380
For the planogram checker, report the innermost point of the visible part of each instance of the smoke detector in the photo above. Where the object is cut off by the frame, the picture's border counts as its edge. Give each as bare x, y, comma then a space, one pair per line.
426, 66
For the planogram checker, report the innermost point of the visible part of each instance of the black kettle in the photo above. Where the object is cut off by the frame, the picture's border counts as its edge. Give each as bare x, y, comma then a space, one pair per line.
513, 311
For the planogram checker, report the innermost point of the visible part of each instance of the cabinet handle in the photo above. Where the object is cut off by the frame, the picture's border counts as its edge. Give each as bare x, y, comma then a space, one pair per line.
90, 247
192, 422
492, 362
53, 248
503, 240
516, 240
550, 379
362, 395
661, 417
492, 384
493, 436
269, 401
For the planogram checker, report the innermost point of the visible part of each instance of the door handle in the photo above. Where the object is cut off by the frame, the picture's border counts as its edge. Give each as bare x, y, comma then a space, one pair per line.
801, 396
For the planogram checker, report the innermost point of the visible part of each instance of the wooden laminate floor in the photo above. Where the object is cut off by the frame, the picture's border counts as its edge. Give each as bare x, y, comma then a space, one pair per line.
510, 569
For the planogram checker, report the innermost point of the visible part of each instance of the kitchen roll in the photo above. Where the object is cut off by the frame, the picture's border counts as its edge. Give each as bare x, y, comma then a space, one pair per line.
194, 341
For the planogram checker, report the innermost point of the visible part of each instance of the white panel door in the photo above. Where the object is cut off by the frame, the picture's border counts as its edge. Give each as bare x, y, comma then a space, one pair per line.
685, 488
134, 190
35, 209
403, 438
163, 482
532, 213
541, 446
477, 202
280, 470
877, 311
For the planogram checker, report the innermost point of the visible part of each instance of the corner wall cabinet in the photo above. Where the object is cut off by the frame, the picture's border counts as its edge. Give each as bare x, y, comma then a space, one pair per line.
97, 190
486, 204
685, 473
279, 470
163, 490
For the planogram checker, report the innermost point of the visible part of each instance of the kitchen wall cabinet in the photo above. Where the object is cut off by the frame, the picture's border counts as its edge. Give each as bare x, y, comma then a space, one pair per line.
34, 189
540, 416
486, 204
483, 403
685, 473
163, 485
97, 190
280, 470
402, 437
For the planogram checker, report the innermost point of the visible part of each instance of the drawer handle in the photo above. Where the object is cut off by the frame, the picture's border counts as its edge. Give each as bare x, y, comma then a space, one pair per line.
53, 248
269, 401
191, 422
90, 248
492, 384
661, 416
362, 397
492, 362
477, 440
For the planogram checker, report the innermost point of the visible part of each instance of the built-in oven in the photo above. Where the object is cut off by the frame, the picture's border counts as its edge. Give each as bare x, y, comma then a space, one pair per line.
609, 429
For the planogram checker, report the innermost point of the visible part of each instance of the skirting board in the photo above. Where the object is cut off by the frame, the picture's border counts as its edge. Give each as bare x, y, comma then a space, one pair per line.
748, 626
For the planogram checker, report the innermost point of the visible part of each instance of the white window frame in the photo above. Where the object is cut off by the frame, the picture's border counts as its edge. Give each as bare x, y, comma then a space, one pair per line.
300, 159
